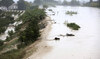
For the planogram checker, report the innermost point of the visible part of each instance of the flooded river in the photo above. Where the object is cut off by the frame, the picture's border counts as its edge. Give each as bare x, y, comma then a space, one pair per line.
86, 42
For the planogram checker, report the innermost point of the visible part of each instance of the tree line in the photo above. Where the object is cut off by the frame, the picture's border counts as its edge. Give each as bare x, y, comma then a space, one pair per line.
72, 3
22, 4
93, 3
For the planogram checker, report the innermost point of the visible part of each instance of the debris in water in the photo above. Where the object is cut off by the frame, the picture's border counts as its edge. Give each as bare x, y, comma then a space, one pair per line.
56, 38
70, 34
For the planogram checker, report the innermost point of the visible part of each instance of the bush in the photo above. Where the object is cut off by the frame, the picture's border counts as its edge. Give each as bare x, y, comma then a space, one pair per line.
73, 26
10, 33
8, 38
2, 30
1, 42
45, 6
71, 12
22, 45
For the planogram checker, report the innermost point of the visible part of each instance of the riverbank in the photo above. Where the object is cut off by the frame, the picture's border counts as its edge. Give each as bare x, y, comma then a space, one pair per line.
26, 37
40, 47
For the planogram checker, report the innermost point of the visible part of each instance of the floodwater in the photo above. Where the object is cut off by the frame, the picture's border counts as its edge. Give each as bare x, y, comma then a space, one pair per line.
86, 42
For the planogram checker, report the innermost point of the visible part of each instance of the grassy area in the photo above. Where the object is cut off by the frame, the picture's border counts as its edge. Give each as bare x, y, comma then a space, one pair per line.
13, 54
71, 12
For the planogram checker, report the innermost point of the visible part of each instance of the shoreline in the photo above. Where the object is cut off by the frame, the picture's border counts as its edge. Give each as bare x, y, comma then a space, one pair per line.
37, 48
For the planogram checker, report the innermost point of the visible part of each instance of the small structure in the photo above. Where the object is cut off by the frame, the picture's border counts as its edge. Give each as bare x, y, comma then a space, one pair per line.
13, 7
3, 8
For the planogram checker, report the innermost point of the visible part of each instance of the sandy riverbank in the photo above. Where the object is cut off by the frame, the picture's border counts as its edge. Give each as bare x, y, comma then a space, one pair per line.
40, 47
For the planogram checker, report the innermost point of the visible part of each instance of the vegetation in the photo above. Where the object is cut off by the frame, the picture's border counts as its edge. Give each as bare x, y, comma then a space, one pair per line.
45, 6
37, 2
21, 5
72, 3
21, 38
6, 3
8, 38
10, 33
28, 5
27, 36
36, 14
5, 20
71, 12
31, 33
93, 3
17, 28
45, 2
1, 42
73, 26
13, 54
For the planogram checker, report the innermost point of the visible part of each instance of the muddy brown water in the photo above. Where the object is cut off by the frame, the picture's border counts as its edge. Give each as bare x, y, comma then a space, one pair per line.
84, 45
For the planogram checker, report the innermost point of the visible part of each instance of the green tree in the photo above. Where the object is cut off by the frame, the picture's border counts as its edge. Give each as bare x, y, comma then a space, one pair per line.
10, 33
74, 3
99, 2
31, 33
1, 42
65, 2
37, 2
28, 4
6, 3
21, 5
